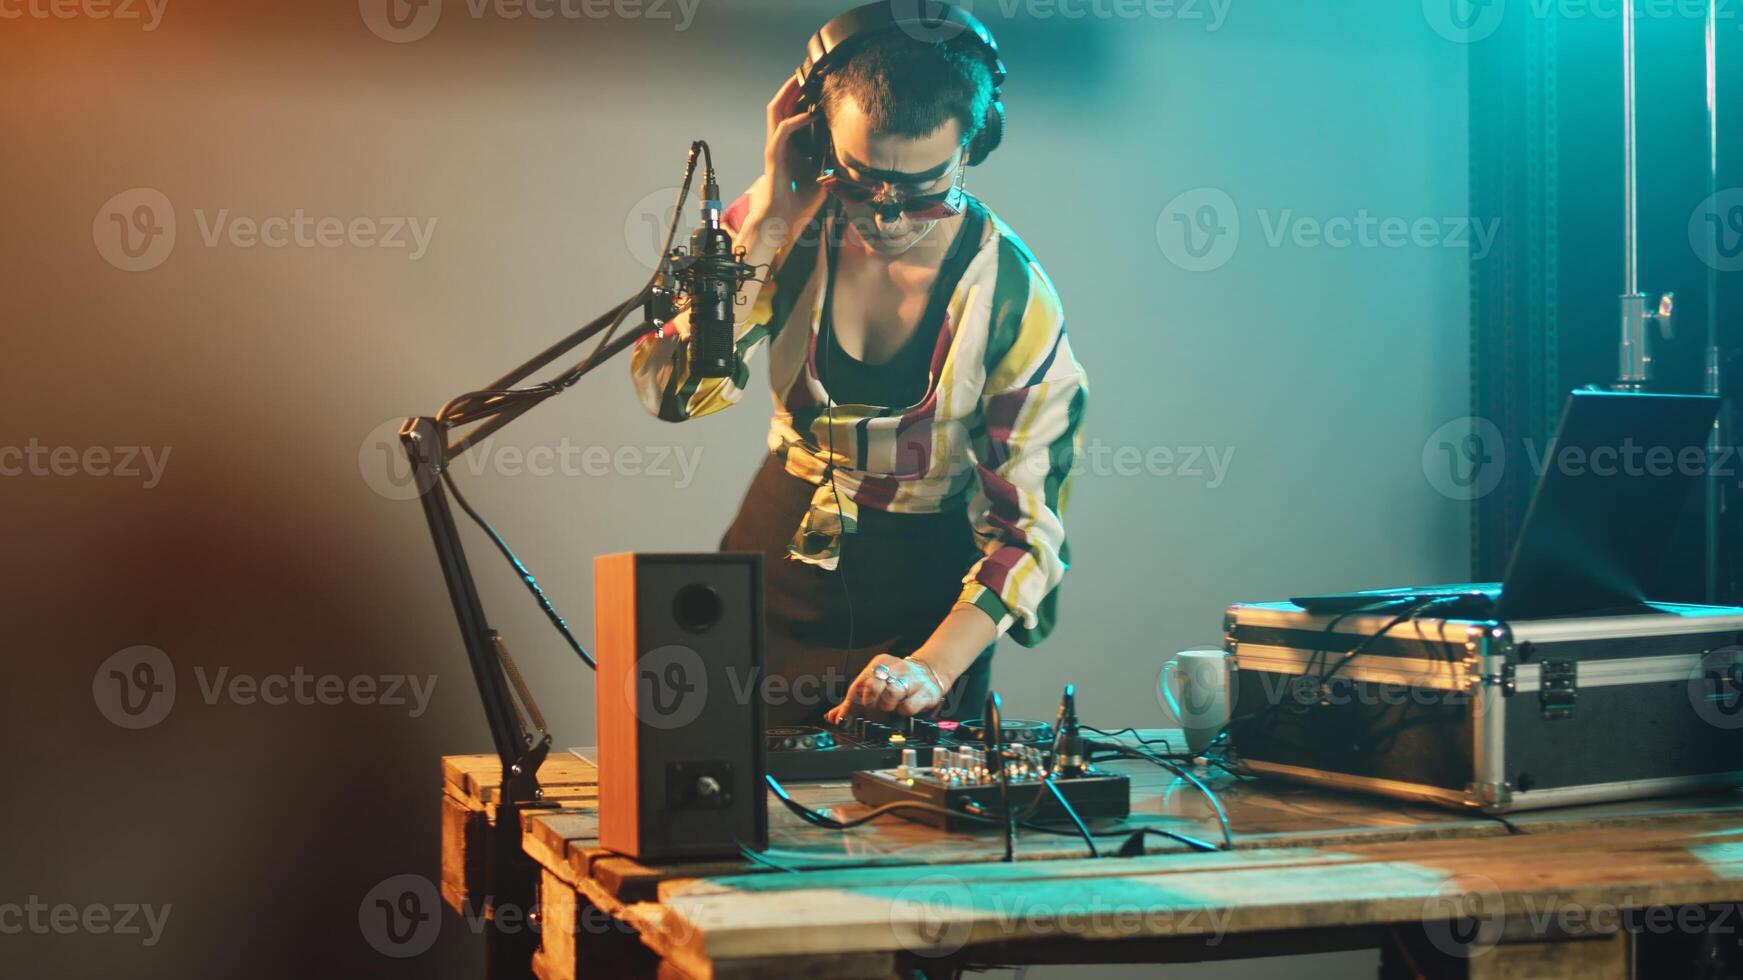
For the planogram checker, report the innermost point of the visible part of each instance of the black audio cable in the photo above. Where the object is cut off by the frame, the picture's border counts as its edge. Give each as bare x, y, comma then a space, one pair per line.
1414, 608
1071, 812
992, 723
1132, 752
1137, 736
827, 822
526, 575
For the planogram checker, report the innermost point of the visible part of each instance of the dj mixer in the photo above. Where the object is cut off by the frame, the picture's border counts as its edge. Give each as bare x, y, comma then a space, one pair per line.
814, 753
963, 790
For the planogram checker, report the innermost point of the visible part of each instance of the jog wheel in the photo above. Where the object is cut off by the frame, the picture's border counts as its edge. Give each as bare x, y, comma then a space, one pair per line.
797, 737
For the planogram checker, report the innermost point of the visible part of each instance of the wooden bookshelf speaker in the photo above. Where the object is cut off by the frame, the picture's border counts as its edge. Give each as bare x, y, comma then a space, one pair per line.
679, 703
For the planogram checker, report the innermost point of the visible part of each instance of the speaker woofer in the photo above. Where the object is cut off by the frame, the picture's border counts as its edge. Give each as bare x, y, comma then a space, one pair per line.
697, 608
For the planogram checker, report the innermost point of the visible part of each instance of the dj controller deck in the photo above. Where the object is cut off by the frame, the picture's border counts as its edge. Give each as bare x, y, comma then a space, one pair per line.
946, 766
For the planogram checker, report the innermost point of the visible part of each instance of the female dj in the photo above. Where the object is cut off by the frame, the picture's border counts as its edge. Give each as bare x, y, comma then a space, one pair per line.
927, 407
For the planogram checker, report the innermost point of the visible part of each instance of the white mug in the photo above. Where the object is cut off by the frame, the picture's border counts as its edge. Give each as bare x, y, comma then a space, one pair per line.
1203, 706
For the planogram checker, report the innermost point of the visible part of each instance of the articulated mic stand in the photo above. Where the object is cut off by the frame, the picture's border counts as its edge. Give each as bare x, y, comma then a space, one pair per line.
517, 729
705, 280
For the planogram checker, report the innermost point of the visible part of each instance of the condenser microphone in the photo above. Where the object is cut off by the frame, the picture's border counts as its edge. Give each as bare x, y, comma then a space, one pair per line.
712, 280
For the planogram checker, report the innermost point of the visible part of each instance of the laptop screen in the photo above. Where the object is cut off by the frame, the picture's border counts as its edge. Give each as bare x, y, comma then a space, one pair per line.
1612, 483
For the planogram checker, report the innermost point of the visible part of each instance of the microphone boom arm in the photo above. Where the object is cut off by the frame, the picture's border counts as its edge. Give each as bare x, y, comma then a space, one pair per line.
510, 875
517, 728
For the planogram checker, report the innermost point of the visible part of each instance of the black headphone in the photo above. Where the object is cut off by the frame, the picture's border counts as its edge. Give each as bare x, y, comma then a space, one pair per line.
837, 40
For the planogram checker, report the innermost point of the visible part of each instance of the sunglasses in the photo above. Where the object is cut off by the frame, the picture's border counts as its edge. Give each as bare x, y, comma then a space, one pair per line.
888, 200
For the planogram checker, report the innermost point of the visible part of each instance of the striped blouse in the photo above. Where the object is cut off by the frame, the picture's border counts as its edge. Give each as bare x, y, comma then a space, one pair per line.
997, 431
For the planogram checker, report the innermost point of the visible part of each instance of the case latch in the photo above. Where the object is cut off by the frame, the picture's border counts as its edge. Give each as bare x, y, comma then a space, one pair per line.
1558, 688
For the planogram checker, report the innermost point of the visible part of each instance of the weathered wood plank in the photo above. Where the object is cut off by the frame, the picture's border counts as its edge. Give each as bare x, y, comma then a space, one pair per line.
465, 844
630, 881
841, 966
559, 841
478, 777
555, 958
1005, 875
1590, 958
1195, 894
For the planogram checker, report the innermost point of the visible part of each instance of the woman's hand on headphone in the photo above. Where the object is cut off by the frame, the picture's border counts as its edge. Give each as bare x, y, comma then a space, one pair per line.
787, 192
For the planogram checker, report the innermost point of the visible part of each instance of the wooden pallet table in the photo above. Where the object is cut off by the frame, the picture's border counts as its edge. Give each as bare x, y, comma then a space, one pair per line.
1555, 893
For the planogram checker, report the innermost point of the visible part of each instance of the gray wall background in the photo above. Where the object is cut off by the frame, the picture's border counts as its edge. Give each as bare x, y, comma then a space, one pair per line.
542, 151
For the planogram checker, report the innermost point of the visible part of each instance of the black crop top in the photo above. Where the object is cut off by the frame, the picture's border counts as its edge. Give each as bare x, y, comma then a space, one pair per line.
902, 380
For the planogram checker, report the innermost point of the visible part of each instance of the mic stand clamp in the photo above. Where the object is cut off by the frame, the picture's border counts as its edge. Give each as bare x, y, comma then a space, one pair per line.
1635, 367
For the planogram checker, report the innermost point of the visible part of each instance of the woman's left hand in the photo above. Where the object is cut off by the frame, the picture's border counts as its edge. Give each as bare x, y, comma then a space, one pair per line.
893, 684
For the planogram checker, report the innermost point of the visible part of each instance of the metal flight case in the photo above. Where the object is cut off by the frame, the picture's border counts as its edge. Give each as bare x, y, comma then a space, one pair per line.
1499, 716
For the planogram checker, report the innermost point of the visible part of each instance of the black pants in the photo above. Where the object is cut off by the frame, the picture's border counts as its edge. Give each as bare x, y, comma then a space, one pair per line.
898, 577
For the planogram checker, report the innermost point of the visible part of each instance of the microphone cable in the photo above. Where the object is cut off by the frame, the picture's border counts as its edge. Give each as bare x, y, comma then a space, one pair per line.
829, 420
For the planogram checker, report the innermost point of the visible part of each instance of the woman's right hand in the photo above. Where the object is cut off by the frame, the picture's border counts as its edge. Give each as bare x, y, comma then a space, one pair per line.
787, 192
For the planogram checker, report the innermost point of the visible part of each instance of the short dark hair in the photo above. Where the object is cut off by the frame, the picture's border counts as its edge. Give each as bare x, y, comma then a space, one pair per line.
909, 87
